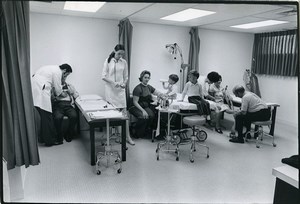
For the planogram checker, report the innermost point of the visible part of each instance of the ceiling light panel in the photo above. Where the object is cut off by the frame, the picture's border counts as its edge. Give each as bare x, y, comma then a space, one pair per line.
83, 6
187, 14
259, 24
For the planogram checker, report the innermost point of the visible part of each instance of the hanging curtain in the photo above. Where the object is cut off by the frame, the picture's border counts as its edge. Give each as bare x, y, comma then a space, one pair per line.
18, 125
194, 51
276, 53
125, 38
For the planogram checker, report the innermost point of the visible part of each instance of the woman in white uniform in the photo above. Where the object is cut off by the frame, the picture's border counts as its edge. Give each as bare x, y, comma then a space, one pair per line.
115, 74
46, 78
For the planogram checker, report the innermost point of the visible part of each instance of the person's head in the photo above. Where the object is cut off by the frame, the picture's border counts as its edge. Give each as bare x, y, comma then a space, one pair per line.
173, 79
145, 77
193, 76
213, 77
238, 91
218, 83
118, 52
66, 70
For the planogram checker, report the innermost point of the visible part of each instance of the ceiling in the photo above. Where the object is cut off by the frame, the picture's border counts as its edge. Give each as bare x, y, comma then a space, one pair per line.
226, 14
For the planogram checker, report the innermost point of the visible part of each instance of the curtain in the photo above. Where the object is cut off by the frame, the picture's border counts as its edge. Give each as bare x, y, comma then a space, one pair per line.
194, 50
276, 53
125, 38
18, 129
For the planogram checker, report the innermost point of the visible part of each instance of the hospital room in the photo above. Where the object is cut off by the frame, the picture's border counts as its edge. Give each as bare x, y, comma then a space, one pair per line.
150, 101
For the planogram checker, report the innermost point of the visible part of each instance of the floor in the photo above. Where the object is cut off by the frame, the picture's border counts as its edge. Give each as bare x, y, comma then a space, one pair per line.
234, 173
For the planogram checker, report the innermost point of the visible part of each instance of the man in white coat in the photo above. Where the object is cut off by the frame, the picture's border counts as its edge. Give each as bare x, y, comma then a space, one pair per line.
46, 78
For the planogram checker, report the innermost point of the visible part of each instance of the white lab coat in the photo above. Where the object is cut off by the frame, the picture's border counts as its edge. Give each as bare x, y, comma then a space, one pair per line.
46, 78
116, 71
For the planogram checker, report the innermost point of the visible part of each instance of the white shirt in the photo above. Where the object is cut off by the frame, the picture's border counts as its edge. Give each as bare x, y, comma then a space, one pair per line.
191, 89
252, 103
204, 84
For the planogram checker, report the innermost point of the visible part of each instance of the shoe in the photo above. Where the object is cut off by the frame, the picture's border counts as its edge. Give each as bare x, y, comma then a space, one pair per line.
130, 141
68, 138
236, 140
218, 130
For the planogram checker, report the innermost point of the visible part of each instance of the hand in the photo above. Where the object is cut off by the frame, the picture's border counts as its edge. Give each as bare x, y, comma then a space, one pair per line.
145, 114
117, 84
122, 86
63, 94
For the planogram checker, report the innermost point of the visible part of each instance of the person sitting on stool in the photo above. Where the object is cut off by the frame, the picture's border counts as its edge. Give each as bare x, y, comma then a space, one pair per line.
64, 106
252, 109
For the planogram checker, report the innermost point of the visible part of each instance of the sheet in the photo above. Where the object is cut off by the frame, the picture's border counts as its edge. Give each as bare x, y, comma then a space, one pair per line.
106, 114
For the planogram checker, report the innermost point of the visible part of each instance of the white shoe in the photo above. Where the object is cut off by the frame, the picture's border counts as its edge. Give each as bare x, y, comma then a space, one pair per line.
130, 141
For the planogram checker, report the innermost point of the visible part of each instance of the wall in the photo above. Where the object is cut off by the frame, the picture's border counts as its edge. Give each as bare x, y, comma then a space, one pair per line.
230, 53
149, 51
84, 43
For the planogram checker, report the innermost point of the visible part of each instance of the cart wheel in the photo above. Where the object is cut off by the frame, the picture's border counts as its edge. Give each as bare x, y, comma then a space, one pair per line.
157, 158
152, 140
257, 146
201, 135
274, 145
207, 156
126, 148
194, 150
192, 160
98, 172
177, 158
119, 171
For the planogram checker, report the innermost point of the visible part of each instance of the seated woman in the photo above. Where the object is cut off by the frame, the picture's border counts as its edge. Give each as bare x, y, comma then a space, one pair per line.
219, 94
142, 108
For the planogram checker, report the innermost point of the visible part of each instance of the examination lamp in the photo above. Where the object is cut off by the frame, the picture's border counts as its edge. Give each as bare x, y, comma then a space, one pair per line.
173, 49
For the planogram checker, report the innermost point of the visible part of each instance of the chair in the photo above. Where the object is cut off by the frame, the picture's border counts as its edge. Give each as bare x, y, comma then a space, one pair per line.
197, 134
259, 129
109, 153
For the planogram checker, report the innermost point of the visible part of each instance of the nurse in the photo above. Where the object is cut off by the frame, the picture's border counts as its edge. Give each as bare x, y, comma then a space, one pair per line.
46, 78
115, 75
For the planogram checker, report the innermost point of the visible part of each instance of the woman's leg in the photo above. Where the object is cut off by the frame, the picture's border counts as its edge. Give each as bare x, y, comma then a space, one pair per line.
141, 123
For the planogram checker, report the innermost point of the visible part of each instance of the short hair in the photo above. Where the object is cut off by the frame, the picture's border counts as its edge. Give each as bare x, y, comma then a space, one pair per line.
143, 73
66, 67
174, 77
194, 73
238, 89
213, 76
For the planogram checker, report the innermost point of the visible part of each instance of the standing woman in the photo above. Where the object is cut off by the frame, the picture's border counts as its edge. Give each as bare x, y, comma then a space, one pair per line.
115, 74
46, 78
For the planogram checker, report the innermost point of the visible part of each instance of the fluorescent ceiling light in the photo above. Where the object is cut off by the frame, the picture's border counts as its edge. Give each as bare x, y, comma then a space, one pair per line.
83, 6
259, 24
187, 14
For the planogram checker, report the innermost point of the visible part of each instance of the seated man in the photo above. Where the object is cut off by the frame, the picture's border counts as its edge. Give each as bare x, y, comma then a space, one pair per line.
252, 109
64, 106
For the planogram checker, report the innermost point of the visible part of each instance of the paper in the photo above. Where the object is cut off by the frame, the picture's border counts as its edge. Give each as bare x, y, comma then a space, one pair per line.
95, 105
106, 114
89, 97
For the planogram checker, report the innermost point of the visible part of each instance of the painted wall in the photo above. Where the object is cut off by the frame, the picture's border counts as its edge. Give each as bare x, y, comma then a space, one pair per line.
84, 43
230, 53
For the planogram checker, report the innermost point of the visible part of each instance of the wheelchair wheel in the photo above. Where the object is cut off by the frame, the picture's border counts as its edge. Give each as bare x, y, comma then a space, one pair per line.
201, 135
119, 171
98, 172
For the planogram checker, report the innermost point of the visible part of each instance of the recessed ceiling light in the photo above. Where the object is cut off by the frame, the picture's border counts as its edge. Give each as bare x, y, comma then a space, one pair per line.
83, 6
187, 14
259, 24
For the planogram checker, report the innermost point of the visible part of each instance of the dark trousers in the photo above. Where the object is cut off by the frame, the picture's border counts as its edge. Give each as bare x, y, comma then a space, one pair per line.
202, 105
245, 120
48, 134
61, 109
142, 124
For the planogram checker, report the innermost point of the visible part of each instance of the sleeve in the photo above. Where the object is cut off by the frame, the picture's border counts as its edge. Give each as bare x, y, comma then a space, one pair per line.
205, 89
75, 93
185, 89
137, 91
245, 104
105, 69
125, 72
151, 89
173, 90
56, 82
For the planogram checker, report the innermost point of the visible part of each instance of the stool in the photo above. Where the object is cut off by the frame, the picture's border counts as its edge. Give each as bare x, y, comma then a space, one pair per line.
260, 131
200, 135
108, 153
